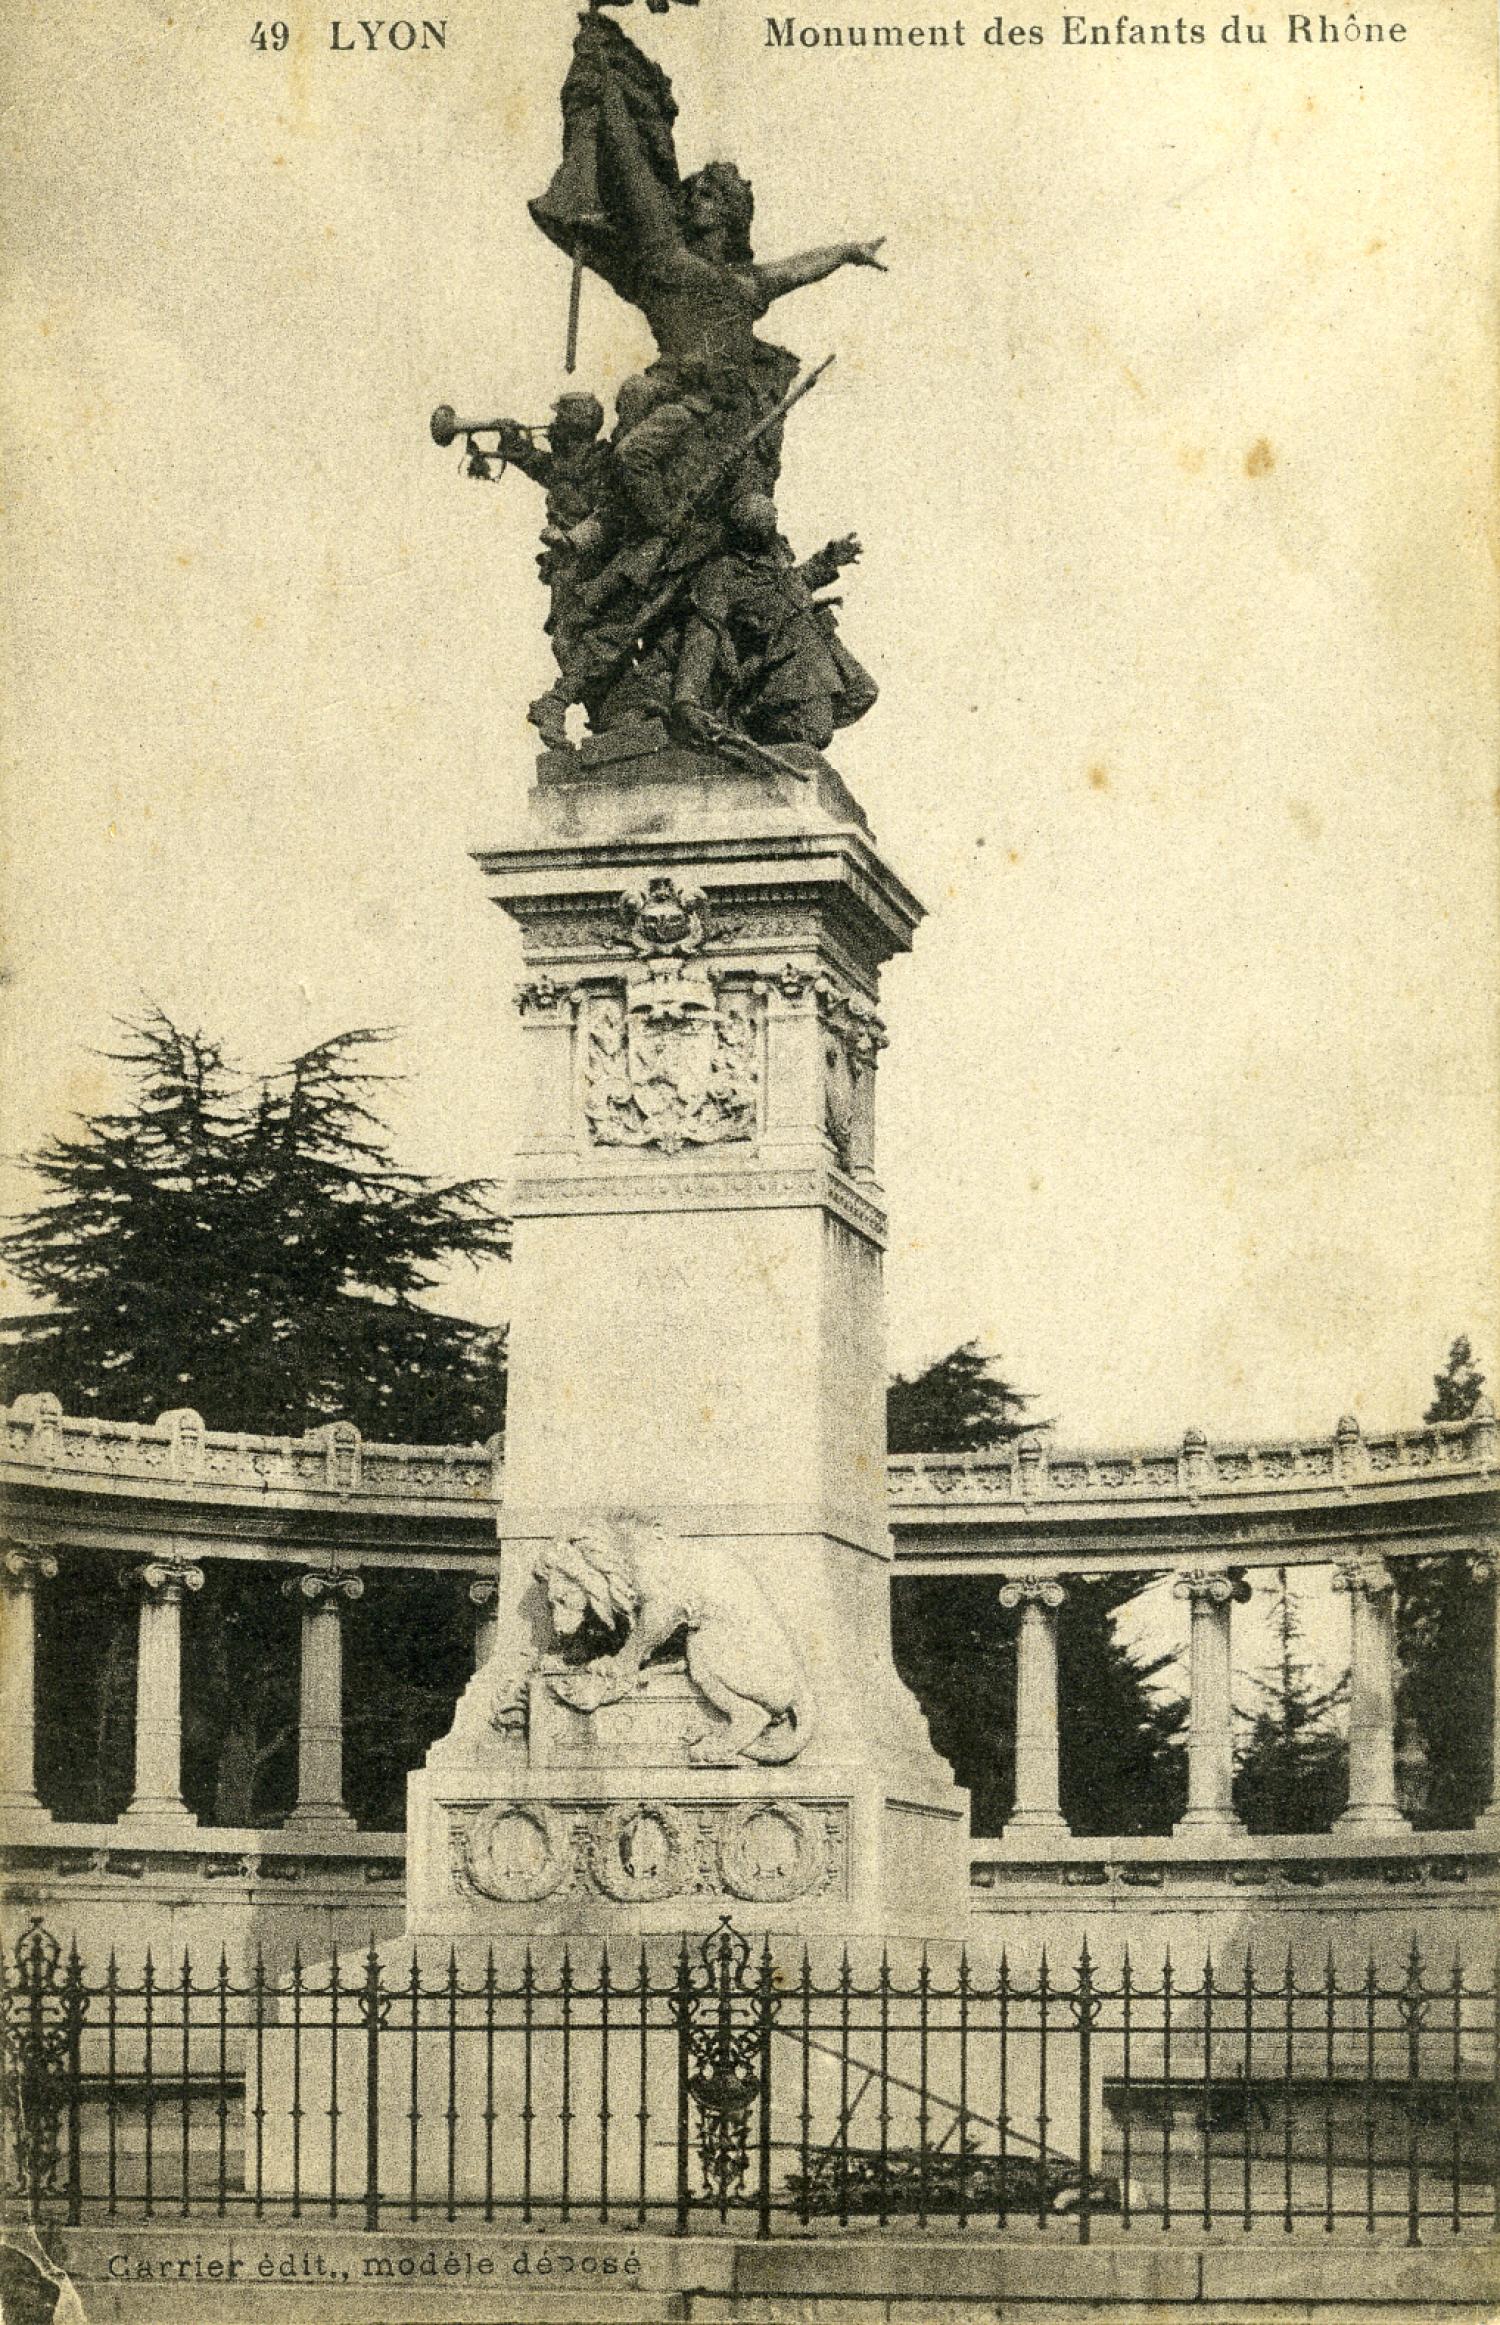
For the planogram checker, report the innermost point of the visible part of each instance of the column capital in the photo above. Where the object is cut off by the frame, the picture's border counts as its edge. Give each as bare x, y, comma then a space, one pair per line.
165, 1579
1484, 1565
483, 1591
544, 996
1367, 1575
24, 1564
320, 1588
1032, 1590
792, 981
1210, 1586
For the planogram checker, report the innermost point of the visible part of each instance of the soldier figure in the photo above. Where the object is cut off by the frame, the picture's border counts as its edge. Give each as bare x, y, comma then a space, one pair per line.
576, 470
673, 595
760, 654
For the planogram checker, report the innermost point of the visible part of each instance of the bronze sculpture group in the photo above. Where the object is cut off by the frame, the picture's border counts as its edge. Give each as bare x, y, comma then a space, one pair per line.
676, 603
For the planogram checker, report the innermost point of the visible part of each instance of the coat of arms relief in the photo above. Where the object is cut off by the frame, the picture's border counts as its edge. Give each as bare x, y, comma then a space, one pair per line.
670, 1060
671, 1052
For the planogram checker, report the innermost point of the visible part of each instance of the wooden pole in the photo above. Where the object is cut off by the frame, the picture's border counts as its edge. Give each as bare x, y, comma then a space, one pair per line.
575, 287
575, 297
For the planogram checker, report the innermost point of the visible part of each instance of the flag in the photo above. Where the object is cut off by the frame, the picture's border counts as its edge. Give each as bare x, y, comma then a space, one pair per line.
575, 211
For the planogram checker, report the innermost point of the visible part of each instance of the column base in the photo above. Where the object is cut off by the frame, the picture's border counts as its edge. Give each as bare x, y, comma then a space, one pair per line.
1374, 1818
1487, 1824
158, 1809
28, 1807
1203, 1821
320, 1816
1037, 1820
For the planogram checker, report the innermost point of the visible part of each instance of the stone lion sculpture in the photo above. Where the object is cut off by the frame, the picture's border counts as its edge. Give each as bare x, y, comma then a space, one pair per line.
738, 1656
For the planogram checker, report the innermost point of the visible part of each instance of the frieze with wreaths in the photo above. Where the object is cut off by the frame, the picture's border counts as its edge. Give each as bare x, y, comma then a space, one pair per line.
644, 1851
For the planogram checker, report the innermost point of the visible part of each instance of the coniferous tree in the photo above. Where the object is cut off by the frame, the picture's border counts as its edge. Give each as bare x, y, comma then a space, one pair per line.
1457, 1389
250, 1249
1293, 1763
1121, 1767
957, 1405
1444, 1636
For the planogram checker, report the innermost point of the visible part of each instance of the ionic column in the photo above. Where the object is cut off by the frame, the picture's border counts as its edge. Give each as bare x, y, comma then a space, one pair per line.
1372, 1693
1210, 1803
484, 1593
1486, 1568
21, 1569
1036, 1804
158, 1690
320, 1717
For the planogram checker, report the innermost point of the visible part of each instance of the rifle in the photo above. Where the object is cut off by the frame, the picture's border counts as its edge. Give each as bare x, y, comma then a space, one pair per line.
704, 491
744, 746
731, 460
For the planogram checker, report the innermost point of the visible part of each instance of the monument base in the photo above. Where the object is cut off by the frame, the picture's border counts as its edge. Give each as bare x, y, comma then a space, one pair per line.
609, 1821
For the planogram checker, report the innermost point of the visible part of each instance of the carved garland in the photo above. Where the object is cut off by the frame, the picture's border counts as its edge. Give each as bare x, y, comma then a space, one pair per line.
518, 1852
482, 1863
611, 1843
742, 1867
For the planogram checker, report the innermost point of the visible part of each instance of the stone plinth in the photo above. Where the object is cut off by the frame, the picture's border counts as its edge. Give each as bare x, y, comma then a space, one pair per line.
604, 1823
696, 1369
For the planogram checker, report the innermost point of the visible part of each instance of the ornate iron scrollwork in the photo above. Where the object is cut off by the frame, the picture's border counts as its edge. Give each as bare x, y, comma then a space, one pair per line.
727, 2008
42, 2005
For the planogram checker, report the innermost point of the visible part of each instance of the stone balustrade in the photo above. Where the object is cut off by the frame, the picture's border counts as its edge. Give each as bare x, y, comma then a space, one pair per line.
177, 1452
1031, 1471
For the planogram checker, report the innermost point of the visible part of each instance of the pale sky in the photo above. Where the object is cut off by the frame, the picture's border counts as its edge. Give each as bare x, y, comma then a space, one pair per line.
1168, 435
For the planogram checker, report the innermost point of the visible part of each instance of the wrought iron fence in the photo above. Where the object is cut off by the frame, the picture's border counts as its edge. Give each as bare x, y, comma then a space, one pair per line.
724, 2085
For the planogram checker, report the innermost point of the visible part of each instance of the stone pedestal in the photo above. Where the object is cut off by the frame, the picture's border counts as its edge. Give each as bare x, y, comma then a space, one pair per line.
696, 1389
551, 2071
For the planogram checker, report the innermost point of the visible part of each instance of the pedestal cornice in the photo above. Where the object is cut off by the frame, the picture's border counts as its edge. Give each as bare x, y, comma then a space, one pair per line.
751, 839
